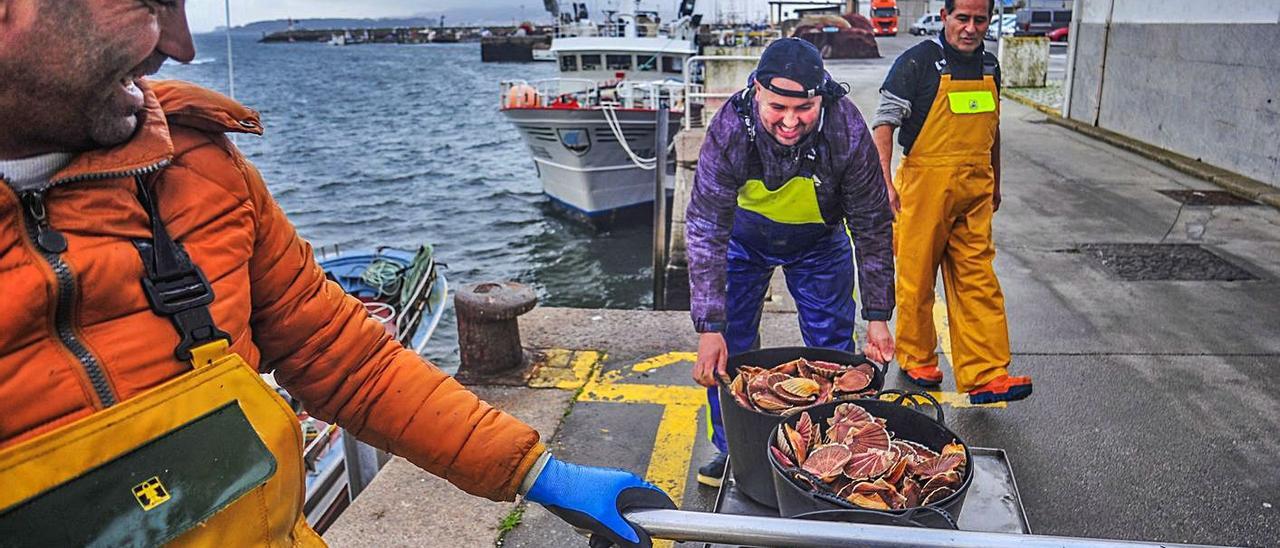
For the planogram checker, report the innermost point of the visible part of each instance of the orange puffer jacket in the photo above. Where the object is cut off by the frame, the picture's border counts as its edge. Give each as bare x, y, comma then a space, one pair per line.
68, 318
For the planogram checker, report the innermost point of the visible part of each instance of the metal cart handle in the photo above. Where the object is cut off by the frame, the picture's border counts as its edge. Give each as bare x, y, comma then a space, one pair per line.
737, 530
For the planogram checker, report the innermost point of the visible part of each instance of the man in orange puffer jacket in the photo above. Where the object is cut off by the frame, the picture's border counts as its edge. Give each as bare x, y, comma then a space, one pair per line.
78, 124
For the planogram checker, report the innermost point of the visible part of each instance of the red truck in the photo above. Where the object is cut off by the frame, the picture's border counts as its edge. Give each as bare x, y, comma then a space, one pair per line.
884, 17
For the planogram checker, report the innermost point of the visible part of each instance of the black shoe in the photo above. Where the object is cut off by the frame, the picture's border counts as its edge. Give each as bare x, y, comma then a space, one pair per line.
711, 474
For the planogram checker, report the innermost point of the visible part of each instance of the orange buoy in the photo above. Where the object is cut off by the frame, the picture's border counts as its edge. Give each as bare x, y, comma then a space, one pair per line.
522, 96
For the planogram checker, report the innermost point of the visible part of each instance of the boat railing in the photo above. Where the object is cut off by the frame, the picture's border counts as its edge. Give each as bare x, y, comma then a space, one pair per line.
574, 93
696, 94
547, 93
613, 29
745, 37
649, 94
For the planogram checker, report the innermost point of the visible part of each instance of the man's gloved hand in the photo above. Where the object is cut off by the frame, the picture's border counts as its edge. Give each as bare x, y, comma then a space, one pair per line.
594, 498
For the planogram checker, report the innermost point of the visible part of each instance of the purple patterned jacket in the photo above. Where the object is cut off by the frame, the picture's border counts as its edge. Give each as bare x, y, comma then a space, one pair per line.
846, 156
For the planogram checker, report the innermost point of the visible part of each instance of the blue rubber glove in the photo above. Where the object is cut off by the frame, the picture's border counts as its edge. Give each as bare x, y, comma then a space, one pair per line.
594, 498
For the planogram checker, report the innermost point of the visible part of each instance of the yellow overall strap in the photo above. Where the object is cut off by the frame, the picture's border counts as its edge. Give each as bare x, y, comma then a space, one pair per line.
961, 125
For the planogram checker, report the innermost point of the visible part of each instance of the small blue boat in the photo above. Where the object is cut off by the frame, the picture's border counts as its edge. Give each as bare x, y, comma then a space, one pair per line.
405, 291
402, 289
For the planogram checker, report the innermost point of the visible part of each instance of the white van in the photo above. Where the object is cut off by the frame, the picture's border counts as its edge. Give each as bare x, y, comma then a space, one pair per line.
1010, 26
926, 24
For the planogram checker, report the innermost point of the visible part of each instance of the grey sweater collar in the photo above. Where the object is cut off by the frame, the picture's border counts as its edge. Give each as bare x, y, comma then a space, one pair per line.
33, 173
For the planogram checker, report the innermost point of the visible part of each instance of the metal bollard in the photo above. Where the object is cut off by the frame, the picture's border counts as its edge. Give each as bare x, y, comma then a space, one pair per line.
488, 330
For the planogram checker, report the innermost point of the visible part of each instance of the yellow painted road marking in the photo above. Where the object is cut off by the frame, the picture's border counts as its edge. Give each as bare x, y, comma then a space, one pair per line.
656, 362
943, 326
658, 394
673, 449
566, 369
673, 452
960, 400
677, 430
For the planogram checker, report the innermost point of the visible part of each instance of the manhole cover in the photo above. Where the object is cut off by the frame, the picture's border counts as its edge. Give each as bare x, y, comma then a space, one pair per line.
1157, 262
1207, 198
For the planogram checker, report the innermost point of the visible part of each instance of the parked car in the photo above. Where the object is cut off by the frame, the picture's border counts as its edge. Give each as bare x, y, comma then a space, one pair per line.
1037, 22
926, 24
1059, 35
1009, 27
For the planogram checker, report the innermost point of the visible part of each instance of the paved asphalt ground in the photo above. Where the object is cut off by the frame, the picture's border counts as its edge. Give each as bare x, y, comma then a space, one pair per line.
1156, 413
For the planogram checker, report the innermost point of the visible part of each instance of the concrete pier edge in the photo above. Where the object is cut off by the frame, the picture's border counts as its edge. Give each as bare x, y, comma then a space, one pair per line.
1234, 183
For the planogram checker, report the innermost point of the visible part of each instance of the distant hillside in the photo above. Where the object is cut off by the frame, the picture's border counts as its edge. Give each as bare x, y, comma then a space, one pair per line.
478, 16
321, 24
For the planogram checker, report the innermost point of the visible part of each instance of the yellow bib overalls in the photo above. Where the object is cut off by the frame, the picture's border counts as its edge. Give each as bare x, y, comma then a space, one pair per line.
212, 457
946, 186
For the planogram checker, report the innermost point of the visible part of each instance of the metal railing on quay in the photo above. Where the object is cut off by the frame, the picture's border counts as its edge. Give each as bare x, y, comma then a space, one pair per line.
742, 530
690, 96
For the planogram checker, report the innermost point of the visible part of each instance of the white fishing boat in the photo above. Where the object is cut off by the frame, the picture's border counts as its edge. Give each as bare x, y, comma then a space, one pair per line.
591, 130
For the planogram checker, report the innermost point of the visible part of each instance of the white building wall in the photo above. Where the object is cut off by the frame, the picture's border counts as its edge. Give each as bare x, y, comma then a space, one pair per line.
1200, 78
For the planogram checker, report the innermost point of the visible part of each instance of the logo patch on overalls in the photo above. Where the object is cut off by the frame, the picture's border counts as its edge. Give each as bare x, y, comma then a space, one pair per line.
150, 493
971, 102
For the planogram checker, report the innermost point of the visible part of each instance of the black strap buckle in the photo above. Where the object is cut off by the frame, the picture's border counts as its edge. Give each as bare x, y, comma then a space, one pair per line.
175, 286
184, 297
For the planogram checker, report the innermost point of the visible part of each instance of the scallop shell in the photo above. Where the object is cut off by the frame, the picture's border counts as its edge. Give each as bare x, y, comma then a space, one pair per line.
826, 369
798, 386
852, 381
790, 368
827, 461
870, 436
867, 464
769, 402
937, 495
940, 464
799, 443
782, 458
868, 501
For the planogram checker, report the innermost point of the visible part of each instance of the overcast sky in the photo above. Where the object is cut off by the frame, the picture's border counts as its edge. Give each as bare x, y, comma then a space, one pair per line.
205, 15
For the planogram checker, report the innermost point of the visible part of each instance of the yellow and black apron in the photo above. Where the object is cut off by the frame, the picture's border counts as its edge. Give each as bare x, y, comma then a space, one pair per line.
946, 186
210, 458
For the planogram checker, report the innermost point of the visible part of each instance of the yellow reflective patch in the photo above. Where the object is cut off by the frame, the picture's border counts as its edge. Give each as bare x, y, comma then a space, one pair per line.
795, 203
150, 493
971, 102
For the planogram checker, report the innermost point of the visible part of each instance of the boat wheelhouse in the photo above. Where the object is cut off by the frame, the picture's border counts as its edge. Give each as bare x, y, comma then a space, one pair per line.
591, 131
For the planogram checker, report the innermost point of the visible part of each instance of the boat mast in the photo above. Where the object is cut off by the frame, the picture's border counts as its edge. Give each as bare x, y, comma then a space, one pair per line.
231, 76
627, 13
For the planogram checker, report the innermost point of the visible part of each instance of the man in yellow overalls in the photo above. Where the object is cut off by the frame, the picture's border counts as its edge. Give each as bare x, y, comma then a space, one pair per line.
943, 93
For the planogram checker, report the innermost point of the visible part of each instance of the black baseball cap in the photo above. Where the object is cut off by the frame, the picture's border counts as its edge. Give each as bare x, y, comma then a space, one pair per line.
795, 60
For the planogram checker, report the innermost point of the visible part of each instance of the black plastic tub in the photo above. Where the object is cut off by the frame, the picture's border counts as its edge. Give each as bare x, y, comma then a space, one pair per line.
748, 431
904, 423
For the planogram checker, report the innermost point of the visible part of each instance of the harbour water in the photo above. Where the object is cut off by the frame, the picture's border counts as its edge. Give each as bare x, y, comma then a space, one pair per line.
385, 144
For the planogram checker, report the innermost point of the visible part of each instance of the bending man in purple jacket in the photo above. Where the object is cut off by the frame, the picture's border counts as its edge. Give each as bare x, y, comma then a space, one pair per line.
787, 165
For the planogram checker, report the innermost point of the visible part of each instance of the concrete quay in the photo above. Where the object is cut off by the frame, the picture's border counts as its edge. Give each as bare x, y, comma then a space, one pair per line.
1156, 414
